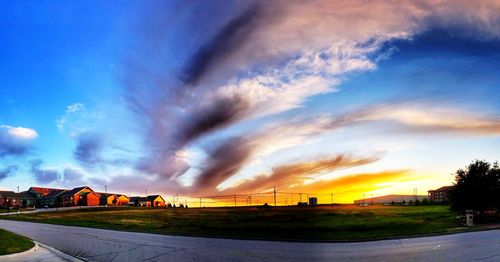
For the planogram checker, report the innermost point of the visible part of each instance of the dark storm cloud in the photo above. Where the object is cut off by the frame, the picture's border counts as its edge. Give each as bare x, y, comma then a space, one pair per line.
219, 114
7, 171
224, 161
88, 149
228, 40
41, 175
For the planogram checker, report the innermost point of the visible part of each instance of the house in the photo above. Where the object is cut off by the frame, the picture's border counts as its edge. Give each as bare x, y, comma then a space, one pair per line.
52, 198
9, 199
42, 192
108, 199
440, 195
80, 196
388, 199
140, 201
156, 201
27, 199
122, 200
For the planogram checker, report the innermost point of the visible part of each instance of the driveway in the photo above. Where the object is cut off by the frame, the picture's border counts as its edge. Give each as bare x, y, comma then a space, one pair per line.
107, 245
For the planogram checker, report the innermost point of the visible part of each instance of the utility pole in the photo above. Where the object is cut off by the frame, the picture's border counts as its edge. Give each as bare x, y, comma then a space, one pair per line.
234, 200
200, 201
18, 189
332, 199
106, 191
249, 200
274, 196
146, 193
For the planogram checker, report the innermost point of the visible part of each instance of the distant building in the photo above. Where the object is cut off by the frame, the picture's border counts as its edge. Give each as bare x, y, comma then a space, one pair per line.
313, 201
140, 201
80, 196
440, 195
149, 201
52, 198
122, 200
9, 199
389, 199
109, 199
156, 201
27, 199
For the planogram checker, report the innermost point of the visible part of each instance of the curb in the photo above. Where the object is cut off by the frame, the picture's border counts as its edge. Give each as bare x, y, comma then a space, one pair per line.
23, 253
60, 253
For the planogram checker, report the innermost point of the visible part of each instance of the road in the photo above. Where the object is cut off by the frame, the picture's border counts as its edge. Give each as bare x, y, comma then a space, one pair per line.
107, 245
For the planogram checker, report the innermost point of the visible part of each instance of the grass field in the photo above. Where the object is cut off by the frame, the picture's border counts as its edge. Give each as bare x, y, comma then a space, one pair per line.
325, 223
11, 243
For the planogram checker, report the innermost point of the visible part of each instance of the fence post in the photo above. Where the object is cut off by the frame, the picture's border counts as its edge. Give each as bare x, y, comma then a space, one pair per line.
274, 196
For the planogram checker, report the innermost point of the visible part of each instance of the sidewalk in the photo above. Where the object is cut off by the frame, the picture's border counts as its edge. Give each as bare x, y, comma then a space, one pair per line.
40, 253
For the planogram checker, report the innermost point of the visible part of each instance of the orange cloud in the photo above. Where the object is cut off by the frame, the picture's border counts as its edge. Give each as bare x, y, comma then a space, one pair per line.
294, 175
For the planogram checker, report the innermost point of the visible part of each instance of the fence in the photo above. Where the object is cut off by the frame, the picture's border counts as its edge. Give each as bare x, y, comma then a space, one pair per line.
258, 199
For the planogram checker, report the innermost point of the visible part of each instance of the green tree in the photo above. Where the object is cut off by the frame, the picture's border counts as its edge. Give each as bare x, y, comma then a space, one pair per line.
476, 187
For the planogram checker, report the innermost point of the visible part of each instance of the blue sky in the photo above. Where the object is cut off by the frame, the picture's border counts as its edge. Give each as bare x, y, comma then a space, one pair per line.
209, 97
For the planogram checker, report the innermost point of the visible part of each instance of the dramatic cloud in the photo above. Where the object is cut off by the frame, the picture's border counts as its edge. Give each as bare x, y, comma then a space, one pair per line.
227, 41
294, 175
43, 175
7, 171
270, 58
15, 140
88, 149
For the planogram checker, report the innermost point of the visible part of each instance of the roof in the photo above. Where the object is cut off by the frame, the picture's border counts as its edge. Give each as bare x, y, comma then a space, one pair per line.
106, 195
89, 193
43, 190
27, 195
54, 193
75, 191
8, 194
443, 188
120, 195
153, 197
138, 198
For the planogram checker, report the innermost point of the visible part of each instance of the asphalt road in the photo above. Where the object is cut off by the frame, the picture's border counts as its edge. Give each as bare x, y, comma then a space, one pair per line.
107, 245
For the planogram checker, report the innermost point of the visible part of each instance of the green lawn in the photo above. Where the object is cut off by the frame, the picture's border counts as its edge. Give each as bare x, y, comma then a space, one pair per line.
12, 243
325, 223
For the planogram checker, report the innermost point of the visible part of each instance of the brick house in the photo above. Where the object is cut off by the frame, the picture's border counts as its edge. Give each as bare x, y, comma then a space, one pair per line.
80, 196
9, 199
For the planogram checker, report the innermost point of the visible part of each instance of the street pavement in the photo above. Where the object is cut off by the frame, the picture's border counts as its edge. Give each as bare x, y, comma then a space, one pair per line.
108, 245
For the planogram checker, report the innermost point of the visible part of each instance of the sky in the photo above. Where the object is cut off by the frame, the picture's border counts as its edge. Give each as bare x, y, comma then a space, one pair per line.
201, 98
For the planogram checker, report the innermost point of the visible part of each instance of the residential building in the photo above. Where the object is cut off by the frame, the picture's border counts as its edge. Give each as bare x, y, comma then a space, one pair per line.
52, 198
122, 200
9, 199
140, 201
80, 196
27, 199
440, 195
108, 199
156, 201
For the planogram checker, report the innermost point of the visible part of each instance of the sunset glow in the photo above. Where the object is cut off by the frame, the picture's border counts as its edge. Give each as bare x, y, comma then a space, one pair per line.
333, 99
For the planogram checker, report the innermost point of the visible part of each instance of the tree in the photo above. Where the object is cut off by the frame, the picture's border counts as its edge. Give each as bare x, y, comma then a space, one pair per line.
476, 187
